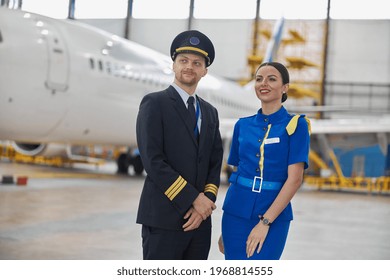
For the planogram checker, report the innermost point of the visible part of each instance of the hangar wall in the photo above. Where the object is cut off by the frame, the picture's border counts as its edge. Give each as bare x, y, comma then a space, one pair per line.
358, 52
358, 49
231, 38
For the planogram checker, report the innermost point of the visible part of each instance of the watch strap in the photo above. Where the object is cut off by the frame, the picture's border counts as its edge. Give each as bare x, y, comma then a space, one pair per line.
265, 221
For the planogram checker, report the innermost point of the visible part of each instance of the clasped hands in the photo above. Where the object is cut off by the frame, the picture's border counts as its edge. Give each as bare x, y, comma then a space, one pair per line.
201, 209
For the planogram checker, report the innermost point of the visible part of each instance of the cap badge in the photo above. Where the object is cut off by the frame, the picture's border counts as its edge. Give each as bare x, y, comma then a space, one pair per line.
194, 41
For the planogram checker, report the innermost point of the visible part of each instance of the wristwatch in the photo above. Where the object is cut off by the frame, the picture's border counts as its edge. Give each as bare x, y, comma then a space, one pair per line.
265, 221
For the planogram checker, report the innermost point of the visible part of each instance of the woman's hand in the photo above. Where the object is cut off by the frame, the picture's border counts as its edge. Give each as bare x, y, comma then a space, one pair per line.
220, 245
256, 239
194, 220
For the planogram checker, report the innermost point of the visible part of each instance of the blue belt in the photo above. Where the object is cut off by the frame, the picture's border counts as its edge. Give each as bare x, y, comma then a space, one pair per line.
256, 183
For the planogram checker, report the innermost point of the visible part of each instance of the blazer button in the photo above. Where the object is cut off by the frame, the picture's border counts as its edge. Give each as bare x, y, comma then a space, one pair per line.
258, 169
264, 128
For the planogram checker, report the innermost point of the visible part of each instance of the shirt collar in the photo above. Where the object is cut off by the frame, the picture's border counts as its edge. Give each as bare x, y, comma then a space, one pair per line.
272, 118
183, 94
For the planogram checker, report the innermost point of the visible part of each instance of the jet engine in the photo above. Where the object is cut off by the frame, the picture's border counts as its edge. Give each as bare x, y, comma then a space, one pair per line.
41, 149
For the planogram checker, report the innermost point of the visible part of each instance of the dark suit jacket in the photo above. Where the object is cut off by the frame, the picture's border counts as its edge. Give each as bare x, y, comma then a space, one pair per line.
177, 167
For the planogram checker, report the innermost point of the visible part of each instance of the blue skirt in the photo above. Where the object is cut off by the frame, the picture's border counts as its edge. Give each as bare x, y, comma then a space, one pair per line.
235, 232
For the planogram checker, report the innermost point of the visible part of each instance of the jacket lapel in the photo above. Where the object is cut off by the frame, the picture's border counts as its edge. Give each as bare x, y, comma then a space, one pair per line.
205, 122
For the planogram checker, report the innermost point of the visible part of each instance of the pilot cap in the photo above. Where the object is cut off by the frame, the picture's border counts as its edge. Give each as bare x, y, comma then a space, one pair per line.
193, 41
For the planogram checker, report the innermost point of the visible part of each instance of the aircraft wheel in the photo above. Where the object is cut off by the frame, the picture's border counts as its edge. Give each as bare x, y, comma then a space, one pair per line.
138, 166
123, 164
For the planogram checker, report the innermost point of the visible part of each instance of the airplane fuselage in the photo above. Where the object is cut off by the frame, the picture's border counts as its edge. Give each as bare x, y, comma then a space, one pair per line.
66, 82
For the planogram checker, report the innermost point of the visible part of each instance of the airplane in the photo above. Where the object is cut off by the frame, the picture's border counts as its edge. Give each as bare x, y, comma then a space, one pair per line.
274, 42
64, 83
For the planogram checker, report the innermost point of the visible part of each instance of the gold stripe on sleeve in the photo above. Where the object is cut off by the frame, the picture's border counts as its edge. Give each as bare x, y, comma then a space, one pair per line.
211, 188
175, 188
178, 189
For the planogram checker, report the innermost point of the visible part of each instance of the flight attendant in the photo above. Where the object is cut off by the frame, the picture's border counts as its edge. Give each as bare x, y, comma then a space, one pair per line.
270, 152
181, 149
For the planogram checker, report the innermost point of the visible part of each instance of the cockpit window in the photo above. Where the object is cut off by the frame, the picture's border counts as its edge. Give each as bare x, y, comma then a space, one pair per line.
1, 37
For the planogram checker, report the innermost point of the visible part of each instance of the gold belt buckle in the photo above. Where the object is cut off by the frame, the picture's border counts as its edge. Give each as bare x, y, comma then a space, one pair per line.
254, 184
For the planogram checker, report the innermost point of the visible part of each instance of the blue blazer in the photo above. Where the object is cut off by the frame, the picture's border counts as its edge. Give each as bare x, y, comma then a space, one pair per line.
178, 167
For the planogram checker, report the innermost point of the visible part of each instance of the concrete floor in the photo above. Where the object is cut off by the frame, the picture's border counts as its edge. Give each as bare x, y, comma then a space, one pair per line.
84, 213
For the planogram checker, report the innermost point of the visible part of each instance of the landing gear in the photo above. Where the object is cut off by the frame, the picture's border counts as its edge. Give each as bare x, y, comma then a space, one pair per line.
125, 160
123, 164
138, 166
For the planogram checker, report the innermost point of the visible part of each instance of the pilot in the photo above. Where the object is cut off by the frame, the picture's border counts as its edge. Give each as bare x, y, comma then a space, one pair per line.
270, 152
181, 149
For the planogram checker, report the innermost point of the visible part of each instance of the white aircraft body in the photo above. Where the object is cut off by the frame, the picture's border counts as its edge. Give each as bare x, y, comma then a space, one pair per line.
65, 83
